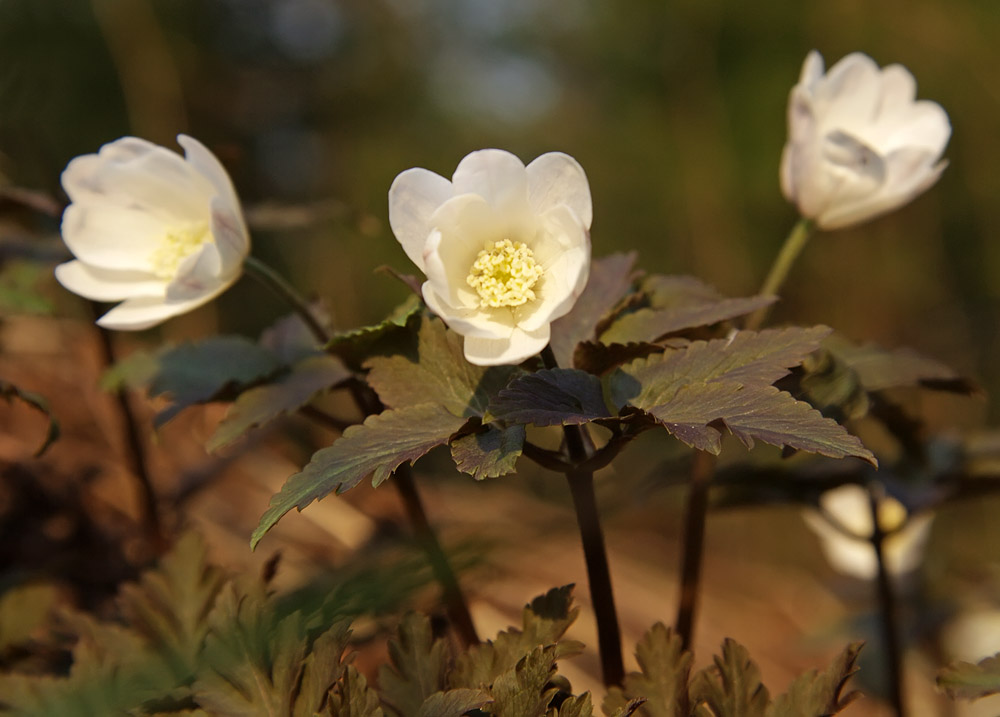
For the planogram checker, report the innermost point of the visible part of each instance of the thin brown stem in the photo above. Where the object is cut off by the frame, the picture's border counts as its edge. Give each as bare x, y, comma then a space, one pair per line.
149, 516
888, 612
693, 546
595, 553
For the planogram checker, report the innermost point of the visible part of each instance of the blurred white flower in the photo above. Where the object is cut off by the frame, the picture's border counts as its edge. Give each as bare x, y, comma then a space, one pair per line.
859, 143
159, 232
505, 248
850, 506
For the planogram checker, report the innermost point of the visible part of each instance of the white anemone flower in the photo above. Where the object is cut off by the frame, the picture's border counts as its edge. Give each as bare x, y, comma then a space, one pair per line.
850, 506
859, 143
505, 248
159, 232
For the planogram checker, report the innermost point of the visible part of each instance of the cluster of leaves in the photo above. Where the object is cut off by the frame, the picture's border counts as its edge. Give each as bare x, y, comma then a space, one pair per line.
968, 681
194, 642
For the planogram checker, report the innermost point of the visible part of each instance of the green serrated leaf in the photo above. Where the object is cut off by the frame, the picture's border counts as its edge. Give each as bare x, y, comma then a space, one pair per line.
170, 603
731, 687
523, 691
490, 452
832, 387
378, 446
386, 337
453, 703
417, 669
967, 681
627, 709
609, 280
820, 693
726, 383
321, 668
194, 372
544, 622
257, 406
352, 697
9, 391
440, 374
551, 397
663, 680
647, 324
574, 706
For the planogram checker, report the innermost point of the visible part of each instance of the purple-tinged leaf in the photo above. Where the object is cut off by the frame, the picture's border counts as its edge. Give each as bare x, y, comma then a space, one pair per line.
378, 446
879, 369
489, 453
598, 358
551, 397
610, 279
262, 404
440, 374
646, 325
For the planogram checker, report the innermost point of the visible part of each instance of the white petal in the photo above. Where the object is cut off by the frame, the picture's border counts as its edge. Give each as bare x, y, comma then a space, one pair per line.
494, 352
924, 125
138, 175
898, 90
497, 176
204, 161
812, 69
845, 555
463, 226
143, 312
230, 234
92, 282
847, 98
413, 197
484, 323
198, 274
112, 237
904, 551
556, 178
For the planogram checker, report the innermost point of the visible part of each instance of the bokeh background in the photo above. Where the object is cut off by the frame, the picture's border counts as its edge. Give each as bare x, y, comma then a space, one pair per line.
676, 111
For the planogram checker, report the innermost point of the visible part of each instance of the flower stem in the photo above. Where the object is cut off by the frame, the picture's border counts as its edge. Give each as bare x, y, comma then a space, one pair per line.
888, 612
581, 486
790, 250
149, 516
368, 403
287, 293
696, 514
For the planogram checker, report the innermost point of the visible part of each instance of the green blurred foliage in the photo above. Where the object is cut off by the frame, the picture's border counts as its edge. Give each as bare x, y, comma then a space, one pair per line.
676, 111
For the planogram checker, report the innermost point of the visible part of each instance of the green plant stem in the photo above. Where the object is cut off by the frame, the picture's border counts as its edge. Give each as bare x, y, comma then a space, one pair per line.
790, 250
149, 515
368, 403
888, 613
581, 486
693, 545
277, 285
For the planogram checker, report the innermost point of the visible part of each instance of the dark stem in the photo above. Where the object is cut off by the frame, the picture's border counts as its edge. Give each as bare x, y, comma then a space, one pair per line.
888, 613
696, 512
149, 516
595, 554
369, 404
454, 599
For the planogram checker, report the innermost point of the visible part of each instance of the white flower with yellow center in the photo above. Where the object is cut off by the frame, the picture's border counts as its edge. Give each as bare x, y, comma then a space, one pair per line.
505, 248
859, 143
159, 232
853, 554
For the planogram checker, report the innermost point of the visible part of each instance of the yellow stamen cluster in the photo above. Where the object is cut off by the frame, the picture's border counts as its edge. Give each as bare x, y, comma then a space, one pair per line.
504, 273
176, 247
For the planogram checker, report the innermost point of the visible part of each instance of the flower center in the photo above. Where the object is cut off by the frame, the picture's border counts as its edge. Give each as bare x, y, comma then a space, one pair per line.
177, 246
504, 273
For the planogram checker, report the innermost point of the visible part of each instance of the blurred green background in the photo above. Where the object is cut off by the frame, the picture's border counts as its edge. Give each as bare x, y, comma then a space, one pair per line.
676, 111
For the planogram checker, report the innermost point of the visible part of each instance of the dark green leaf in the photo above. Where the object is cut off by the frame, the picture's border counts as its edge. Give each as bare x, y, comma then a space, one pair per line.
628, 709
417, 669
440, 375
580, 706
732, 686
820, 693
490, 452
453, 703
832, 387
377, 446
610, 278
255, 407
663, 680
646, 324
290, 339
386, 337
351, 697
551, 397
598, 358
321, 668
523, 691
194, 372
880, 368
965, 681
37, 402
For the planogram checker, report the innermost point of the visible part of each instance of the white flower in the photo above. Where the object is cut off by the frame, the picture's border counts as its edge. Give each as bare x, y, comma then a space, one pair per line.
850, 506
505, 248
159, 232
859, 144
